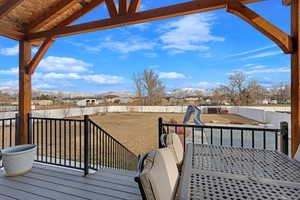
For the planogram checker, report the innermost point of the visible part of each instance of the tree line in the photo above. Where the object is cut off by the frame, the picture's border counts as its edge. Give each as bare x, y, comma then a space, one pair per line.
239, 90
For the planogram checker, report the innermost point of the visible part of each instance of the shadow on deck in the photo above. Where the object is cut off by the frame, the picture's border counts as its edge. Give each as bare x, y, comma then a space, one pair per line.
50, 182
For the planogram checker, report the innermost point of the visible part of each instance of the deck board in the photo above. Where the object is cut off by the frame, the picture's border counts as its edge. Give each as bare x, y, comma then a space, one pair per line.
46, 182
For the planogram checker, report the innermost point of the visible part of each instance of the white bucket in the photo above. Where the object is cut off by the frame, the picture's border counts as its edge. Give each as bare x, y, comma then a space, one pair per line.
19, 159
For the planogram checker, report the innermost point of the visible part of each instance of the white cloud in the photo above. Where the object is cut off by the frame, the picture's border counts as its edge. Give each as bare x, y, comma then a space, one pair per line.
171, 75
205, 84
103, 79
63, 64
188, 33
130, 45
253, 51
10, 51
61, 76
13, 51
43, 86
151, 55
258, 66
262, 70
11, 71
273, 70
9, 83
262, 55
95, 78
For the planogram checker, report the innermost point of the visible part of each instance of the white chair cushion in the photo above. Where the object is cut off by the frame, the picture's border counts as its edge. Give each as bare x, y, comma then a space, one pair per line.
297, 155
174, 144
160, 175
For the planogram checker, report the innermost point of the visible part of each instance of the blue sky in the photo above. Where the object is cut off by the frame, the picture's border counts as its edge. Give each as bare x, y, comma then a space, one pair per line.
195, 51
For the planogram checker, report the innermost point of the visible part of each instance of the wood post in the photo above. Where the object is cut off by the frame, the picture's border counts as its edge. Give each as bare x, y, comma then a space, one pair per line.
24, 89
295, 77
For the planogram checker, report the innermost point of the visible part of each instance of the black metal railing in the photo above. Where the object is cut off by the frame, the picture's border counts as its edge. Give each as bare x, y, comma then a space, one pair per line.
8, 130
247, 137
79, 144
106, 151
59, 141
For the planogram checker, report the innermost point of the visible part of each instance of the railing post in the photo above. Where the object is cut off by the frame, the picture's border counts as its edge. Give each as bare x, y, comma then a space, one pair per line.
29, 128
86, 145
17, 129
284, 138
160, 131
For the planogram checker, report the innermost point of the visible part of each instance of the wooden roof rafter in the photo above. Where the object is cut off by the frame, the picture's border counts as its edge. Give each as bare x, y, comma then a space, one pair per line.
8, 6
86, 8
111, 7
134, 6
282, 39
39, 55
138, 17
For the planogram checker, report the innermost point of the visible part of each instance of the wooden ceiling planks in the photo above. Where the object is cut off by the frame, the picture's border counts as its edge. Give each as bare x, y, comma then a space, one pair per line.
51, 14
8, 6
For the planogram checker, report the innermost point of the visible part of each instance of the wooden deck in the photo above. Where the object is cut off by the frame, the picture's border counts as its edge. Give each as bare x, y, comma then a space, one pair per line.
48, 182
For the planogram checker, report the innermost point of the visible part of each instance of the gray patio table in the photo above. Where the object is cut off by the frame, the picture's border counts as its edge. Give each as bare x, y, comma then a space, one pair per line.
220, 172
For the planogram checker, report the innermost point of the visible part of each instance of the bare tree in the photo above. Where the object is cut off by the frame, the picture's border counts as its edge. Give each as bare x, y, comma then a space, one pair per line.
149, 89
218, 97
138, 83
240, 91
252, 93
233, 90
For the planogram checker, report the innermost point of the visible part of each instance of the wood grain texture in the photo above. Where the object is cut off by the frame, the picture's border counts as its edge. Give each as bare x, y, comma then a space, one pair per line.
25, 89
295, 77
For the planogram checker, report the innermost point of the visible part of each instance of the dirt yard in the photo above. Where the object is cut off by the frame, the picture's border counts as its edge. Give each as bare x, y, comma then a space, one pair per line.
138, 131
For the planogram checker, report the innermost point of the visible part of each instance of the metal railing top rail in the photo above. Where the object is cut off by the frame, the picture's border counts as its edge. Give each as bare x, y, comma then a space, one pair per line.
62, 119
114, 139
221, 127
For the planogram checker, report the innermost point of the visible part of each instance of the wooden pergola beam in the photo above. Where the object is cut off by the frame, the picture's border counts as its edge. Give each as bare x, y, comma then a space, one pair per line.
39, 55
283, 40
8, 6
50, 15
12, 34
123, 7
111, 7
134, 6
139, 17
295, 76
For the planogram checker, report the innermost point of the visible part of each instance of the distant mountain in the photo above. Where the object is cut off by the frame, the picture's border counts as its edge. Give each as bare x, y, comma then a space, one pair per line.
119, 94
184, 92
178, 93
62, 94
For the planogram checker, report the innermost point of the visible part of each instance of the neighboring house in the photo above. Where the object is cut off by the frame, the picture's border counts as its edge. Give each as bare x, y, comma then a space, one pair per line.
87, 102
265, 101
208, 101
274, 101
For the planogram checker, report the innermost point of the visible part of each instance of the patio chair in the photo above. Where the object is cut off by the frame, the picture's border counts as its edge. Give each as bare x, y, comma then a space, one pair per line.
174, 144
157, 175
297, 155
